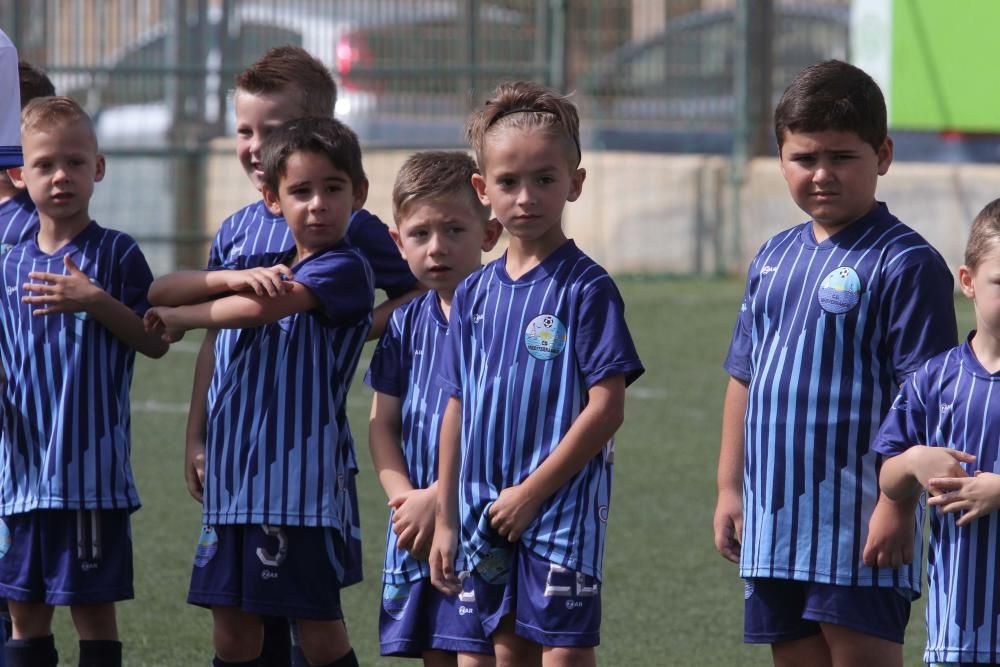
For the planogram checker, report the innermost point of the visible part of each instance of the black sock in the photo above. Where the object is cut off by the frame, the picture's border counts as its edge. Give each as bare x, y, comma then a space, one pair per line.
38, 652
100, 653
219, 662
346, 660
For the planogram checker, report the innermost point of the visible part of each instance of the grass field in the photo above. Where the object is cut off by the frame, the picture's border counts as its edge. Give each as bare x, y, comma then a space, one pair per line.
669, 599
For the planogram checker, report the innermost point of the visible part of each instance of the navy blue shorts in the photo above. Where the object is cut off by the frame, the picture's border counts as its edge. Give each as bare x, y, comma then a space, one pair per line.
66, 557
780, 610
552, 606
416, 617
290, 571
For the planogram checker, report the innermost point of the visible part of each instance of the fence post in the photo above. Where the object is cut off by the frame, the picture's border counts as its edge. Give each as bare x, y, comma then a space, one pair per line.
559, 10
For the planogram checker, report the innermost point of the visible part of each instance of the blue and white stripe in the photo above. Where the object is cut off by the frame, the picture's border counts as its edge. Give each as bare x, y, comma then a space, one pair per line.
522, 356
18, 220
279, 449
66, 421
952, 401
826, 334
406, 364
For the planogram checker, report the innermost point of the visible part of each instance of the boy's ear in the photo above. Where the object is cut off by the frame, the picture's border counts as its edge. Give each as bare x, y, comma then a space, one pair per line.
965, 281
271, 200
360, 195
491, 234
479, 185
885, 156
100, 167
394, 233
14, 174
576, 184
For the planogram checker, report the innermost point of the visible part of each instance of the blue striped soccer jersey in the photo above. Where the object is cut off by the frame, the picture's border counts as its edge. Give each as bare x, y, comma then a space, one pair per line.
279, 448
952, 401
65, 410
254, 230
522, 355
406, 364
826, 334
18, 221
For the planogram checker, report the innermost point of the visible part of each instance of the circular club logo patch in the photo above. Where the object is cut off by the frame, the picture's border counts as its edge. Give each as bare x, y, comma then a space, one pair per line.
545, 337
5, 539
840, 290
394, 599
208, 544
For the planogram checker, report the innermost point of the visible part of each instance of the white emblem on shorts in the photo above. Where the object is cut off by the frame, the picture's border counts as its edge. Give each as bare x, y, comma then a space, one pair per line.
465, 611
5, 539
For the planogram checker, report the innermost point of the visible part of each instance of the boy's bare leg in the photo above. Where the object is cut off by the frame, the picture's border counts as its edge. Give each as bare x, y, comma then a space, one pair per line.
30, 620
322, 642
850, 648
439, 659
568, 656
476, 660
95, 621
514, 651
236, 634
801, 652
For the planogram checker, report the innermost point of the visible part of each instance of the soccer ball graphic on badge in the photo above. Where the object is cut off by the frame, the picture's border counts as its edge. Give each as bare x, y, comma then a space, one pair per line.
545, 337
840, 291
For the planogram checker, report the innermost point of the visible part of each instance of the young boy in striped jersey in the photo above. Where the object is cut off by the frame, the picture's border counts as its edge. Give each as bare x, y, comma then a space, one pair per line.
838, 311
74, 295
537, 363
442, 230
281, 534
943, 435
18, 219
283, 84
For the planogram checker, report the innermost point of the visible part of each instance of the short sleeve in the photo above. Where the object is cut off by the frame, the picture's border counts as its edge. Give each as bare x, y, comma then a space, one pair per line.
135, 278
385, 374
370, 235
920, 303
451, 361
904, 424
339, 280
737, 362
602, 342
216, 255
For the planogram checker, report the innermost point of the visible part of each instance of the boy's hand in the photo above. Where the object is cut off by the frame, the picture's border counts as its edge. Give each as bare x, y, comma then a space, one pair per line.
890, 533
728, 525
413, 520
194, 468
513, 510
72, 293
158, 318
261, 280
974, 497
926, 463
442, 559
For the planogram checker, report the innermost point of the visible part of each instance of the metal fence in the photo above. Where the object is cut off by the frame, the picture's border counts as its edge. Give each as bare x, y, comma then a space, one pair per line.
647, 75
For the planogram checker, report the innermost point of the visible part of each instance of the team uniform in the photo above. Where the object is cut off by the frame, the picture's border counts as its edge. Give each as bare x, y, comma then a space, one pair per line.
826, 334
952, 401
281, 533
10, 106
522, 355
66, 483
18, 220
414, 616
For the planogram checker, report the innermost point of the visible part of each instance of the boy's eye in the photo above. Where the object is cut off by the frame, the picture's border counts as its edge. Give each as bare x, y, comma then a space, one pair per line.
546, 180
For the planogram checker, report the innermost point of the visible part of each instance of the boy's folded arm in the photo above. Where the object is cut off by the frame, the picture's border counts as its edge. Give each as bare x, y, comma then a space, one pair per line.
188, 287
127, 326
896, 478
383, 311
596, 424
241, 311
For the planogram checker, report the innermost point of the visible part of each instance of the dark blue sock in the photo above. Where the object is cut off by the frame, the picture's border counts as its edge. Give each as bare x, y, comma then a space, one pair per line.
347, 660
37, 652
219, 662
100, 653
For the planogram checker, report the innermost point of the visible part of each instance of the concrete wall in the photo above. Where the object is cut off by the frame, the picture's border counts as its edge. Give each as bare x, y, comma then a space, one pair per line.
651, 213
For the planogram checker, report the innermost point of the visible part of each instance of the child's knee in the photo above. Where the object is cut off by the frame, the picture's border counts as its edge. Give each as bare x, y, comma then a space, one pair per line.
322, 642
236, 635
95, 621
30, 620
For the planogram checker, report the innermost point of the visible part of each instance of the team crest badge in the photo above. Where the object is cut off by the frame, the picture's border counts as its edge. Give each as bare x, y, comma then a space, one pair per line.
545, 338
5, 248
208, 545
840, 291
394, 599
5, 538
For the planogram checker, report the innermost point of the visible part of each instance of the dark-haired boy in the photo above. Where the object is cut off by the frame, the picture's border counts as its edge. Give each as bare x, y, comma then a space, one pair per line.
280, 531
837, 313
